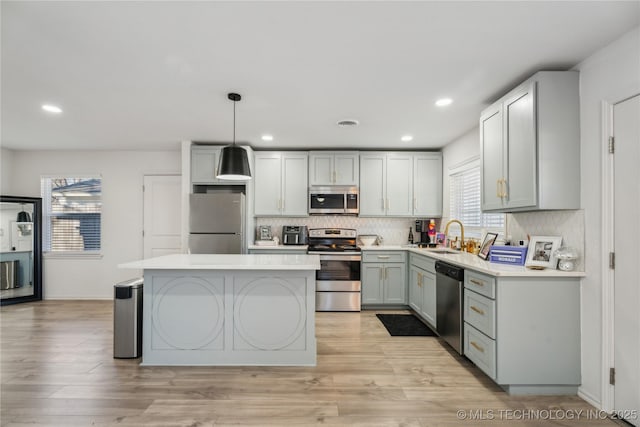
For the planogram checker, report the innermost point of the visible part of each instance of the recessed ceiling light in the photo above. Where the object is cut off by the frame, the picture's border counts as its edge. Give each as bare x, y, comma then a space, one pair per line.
52, 108
267, 137
443, 102
348, 122
406, 138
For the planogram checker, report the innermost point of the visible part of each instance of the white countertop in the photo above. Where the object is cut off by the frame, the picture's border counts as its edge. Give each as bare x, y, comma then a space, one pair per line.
227, 262
473, 262
281, 247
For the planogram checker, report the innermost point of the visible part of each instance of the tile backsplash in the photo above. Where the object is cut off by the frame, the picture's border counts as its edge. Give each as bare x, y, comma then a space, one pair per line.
568, 224
394, 231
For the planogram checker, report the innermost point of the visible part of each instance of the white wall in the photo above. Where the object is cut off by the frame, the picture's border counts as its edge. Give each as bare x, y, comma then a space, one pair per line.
122, 176
6, 171
453, 154
611, 74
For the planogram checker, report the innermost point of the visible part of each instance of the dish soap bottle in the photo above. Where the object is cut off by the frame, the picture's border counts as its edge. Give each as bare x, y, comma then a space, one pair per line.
411, 235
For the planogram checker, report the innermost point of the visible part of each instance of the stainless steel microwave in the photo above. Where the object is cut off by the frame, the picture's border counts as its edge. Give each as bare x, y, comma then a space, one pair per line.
334, 200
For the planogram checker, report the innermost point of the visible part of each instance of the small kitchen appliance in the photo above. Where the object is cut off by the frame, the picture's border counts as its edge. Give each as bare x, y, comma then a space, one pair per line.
422, 232
295, 235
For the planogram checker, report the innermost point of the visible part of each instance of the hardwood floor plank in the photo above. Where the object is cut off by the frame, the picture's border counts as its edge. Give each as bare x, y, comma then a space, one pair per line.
57, 369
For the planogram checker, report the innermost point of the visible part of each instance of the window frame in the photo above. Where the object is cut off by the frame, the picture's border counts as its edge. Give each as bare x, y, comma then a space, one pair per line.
46, 219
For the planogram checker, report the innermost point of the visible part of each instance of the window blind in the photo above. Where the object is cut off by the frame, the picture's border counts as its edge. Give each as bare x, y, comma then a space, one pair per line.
464, 193
72, 209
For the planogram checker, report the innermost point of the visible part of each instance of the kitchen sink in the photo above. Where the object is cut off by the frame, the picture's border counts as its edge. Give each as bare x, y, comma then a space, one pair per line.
443, 251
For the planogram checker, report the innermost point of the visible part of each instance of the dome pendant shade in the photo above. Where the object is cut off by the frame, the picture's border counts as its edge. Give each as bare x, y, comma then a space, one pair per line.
234, 164
23, 217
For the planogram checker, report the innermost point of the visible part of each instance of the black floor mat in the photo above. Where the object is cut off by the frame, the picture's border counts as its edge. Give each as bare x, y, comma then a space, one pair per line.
406, 325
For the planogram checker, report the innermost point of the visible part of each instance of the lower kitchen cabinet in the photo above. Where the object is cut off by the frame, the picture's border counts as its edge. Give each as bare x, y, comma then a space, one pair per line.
383, 277
524, 333
422, 287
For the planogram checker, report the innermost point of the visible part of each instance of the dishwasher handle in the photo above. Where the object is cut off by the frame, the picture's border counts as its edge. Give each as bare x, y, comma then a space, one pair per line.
450, 270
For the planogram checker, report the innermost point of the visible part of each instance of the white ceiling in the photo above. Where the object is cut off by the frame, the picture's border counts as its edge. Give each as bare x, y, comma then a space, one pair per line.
145, 75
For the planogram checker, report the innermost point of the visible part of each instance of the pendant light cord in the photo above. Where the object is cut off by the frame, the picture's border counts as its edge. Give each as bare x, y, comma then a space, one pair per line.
234, 123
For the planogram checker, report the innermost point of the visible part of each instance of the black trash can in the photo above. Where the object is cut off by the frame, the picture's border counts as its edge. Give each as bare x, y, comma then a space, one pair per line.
127, 319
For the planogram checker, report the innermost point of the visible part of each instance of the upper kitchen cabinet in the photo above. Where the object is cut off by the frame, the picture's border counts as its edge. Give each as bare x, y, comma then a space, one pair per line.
400, 184
530, 146
427, 184
204, 164
333, 168
280, 182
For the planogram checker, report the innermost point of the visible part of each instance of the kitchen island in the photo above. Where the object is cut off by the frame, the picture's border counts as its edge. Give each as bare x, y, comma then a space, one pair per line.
228, 309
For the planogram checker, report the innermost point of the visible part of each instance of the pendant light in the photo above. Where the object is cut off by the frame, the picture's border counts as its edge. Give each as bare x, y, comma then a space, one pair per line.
23, 216
24, 222
234, 162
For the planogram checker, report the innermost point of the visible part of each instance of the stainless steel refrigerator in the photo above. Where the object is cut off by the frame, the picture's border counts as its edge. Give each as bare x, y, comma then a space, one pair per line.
216, 223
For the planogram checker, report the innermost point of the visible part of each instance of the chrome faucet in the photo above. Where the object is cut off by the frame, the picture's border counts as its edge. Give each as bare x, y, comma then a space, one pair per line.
446, 232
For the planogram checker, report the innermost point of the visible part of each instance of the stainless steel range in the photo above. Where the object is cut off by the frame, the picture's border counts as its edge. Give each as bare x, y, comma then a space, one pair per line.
338, 280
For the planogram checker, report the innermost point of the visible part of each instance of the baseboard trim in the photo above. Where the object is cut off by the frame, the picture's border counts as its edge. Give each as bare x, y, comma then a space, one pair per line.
589, 398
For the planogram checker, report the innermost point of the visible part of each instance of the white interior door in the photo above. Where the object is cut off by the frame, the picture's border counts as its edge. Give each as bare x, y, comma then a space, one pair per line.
626, 129
162, 216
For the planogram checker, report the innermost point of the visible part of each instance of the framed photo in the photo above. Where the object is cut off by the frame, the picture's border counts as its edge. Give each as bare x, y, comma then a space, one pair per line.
486, 245
541, 251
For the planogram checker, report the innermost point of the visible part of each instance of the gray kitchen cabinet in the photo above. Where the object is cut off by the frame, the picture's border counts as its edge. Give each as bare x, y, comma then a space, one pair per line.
524, 332
422, 287
334, 168
204, 164
280, 183
386, 184
427, 184
530, 146
383, 277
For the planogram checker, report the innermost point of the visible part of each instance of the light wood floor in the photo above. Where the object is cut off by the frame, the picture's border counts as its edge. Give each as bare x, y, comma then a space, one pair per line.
57, 369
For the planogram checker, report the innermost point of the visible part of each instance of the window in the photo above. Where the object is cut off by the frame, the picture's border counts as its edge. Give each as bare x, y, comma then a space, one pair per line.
464, 197
72, 209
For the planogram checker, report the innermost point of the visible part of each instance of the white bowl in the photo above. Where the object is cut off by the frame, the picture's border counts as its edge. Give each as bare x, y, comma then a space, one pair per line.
368, 239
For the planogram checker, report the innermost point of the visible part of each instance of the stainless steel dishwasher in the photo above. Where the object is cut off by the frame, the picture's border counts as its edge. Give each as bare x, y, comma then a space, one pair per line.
449, 288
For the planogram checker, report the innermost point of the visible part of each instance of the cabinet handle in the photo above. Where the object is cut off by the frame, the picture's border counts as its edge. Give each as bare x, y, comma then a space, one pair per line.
386, 273
381, 274
477, 310
415, 204
499, 189
420, 279
383, 256
504, 188
476, 282
477, 346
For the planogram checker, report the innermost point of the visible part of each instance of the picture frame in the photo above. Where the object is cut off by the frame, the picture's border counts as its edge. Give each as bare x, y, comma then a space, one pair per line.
489, 239
541, 252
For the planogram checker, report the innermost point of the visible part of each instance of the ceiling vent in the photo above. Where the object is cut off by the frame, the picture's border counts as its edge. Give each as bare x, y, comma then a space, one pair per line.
348, 123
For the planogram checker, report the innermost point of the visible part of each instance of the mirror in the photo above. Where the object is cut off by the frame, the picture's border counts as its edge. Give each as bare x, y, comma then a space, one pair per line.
20, 249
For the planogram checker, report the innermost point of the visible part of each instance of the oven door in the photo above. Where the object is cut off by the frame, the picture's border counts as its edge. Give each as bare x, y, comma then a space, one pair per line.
338, 282
338, 271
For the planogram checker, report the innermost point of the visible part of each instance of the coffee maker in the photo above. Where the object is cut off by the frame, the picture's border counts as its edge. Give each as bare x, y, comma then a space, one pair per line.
422, 230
